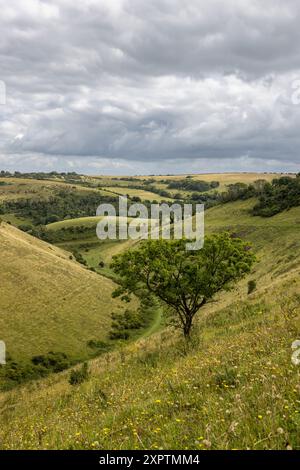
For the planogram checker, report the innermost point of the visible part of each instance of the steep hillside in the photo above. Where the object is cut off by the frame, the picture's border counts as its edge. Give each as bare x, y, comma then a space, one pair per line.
234, 386
48, 301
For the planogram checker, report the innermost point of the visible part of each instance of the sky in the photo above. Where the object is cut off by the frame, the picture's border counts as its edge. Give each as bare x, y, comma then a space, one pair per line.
150, 86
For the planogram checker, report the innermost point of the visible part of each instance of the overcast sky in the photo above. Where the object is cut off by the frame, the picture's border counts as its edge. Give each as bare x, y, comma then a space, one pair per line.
150, 86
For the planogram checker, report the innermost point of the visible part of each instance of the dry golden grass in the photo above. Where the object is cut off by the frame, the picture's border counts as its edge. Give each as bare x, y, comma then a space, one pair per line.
19, 188
49, 302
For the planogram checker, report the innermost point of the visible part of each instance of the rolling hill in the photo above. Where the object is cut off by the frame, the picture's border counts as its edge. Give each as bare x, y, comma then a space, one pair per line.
49, 301
233, 387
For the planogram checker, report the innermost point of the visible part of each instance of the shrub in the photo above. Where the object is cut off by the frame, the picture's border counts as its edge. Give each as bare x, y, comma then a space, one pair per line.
101, 346
79, 258
53, 361
119, 334
122, 322
251, 286
25, 228
78, 376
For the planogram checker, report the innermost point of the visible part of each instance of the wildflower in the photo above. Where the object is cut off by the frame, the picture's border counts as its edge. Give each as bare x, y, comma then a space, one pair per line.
260, 417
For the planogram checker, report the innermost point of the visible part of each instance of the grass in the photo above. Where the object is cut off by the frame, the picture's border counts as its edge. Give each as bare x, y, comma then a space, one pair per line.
88, 245
81, 221
48, 301
233, 387
143, 194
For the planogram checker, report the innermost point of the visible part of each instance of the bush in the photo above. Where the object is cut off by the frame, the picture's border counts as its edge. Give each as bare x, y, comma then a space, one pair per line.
282, 194
101, 346
123, 322
53, 361
79, 376
15, 373
119, 334
25, 228
79, 258
251, 286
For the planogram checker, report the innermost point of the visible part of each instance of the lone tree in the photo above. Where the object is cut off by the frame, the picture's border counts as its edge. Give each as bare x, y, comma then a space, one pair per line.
183, 280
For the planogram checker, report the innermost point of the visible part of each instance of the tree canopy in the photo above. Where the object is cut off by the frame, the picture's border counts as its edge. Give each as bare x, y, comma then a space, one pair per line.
183, 280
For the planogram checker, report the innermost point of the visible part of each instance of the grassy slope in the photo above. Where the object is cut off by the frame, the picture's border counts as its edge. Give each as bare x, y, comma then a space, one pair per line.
91, 248
234, 388
141, 193
82, 221
17, 188
49, 302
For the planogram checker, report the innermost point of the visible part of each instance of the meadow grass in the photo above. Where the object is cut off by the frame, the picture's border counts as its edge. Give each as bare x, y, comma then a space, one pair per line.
48, 301
233, 386
143, 194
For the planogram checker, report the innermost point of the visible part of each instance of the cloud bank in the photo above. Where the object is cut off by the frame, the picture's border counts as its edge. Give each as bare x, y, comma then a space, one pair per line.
150, 86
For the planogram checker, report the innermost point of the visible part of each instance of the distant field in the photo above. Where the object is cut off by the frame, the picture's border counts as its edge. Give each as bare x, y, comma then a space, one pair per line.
123, 186
141, 193
225, 178
82, 221
19, 188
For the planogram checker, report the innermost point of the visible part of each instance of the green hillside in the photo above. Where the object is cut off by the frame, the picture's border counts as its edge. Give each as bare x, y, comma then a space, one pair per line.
233, 387
48, 300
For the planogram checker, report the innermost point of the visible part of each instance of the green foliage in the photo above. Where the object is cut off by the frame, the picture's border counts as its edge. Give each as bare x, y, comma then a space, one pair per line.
79, 258
282, 194
25, 227
15, 373
237, 191
65, 204
78, 376
188, 184
123, 322
184, 280
53, 361
100, 346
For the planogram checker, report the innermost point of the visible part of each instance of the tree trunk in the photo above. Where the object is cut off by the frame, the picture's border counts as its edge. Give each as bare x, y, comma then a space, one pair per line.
187, 327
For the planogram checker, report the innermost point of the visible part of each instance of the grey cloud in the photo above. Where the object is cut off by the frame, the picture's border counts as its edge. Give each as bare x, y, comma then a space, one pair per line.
150, 81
